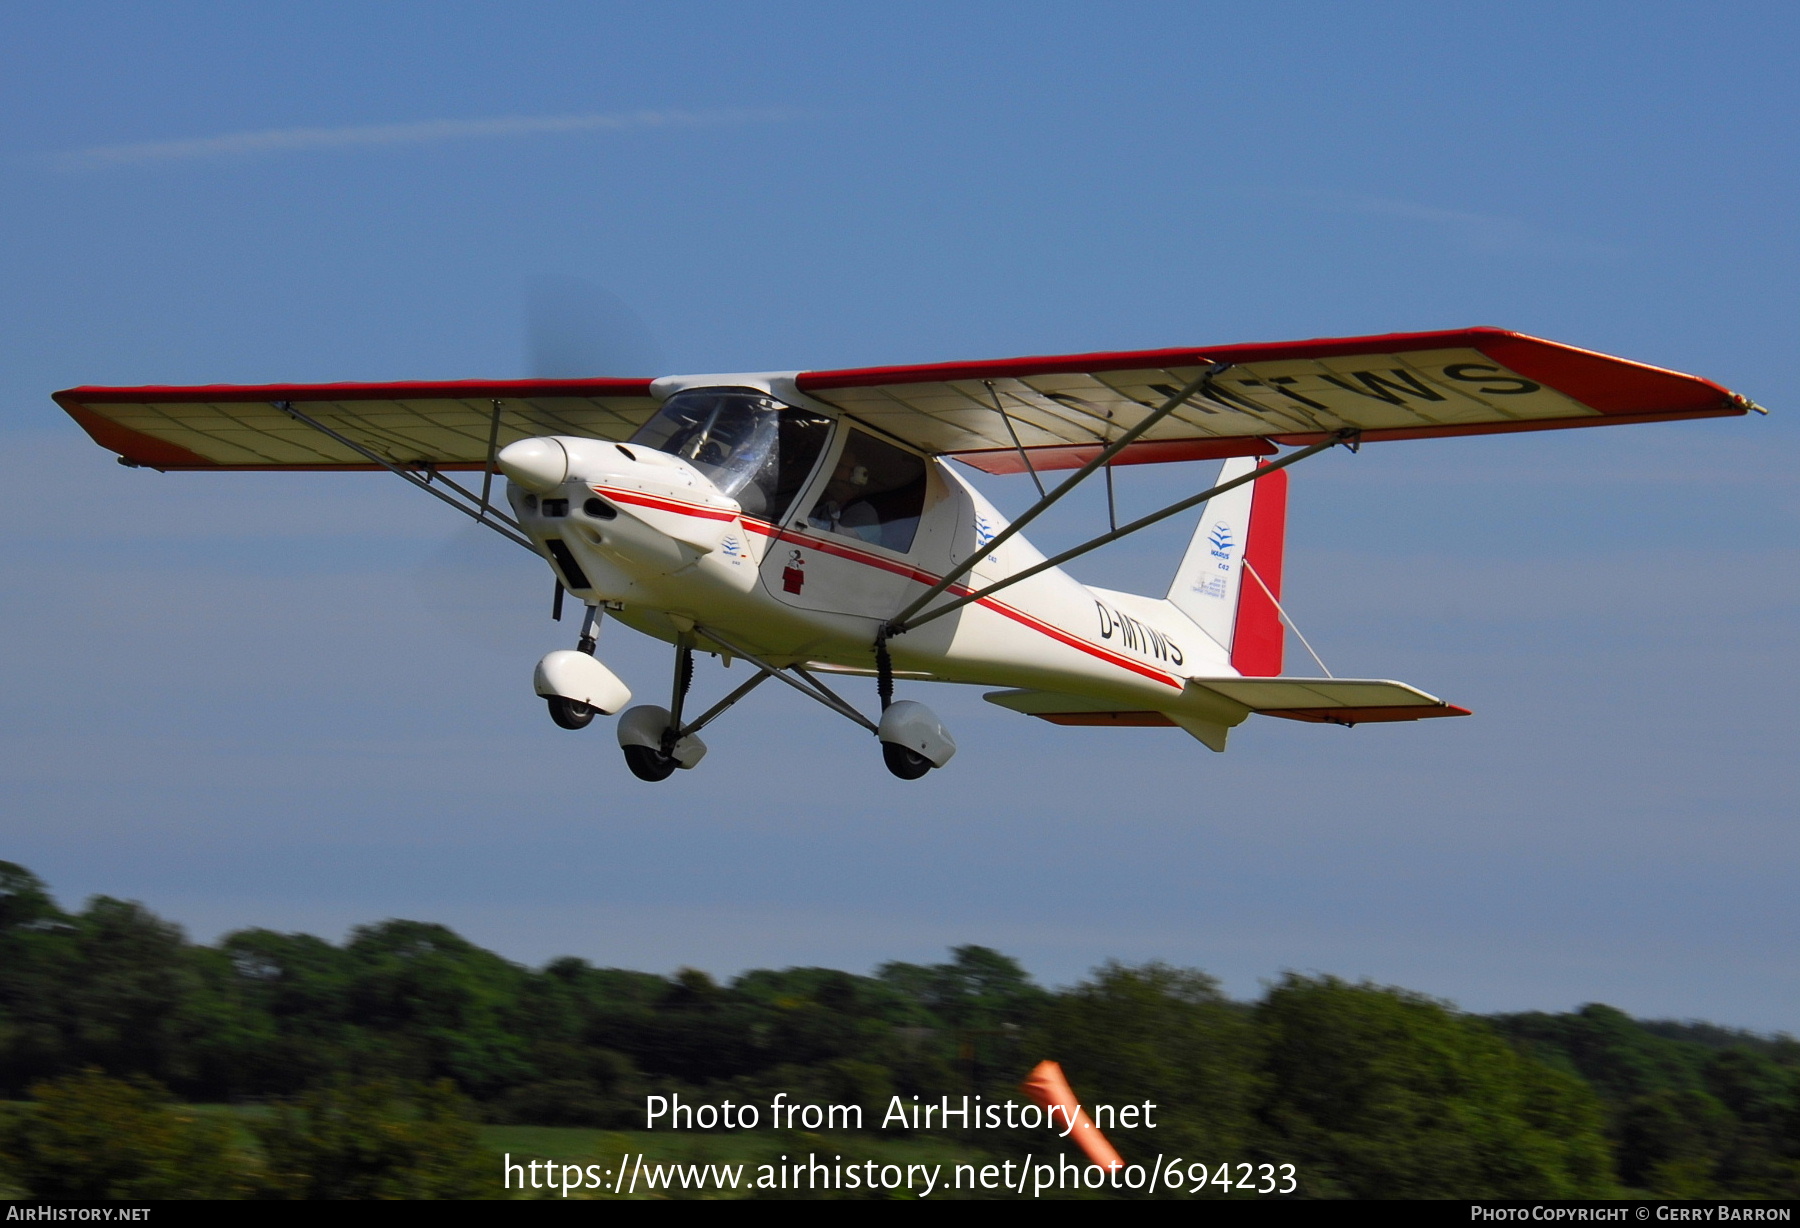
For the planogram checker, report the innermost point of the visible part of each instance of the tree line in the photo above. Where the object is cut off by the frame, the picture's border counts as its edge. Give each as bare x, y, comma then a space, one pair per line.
1369, 1091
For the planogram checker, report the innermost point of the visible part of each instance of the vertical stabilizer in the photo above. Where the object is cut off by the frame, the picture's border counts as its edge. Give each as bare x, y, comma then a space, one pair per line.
1242, 528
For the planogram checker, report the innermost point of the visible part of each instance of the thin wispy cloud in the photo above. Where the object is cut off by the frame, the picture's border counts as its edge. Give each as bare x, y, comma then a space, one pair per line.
431, 132
1481, 230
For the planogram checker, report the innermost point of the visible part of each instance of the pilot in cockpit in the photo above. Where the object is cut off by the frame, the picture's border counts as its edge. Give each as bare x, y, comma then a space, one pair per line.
844, 507
876, 494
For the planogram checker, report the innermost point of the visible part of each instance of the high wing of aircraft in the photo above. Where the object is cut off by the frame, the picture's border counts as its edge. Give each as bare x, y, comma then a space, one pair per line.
808, 523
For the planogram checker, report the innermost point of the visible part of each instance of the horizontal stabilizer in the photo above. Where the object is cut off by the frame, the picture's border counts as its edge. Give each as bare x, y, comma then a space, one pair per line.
1081, 710
1333, 701
1326, 701
1074, 709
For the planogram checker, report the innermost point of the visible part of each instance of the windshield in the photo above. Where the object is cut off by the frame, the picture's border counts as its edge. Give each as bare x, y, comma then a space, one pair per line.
753, 447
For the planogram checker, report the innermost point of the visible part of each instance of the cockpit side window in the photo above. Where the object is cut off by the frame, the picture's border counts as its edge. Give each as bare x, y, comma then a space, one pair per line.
876, 494
801, 438
752, 447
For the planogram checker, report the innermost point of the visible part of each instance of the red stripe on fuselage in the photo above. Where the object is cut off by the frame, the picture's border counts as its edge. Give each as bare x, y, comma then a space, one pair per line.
959, 590
662, 504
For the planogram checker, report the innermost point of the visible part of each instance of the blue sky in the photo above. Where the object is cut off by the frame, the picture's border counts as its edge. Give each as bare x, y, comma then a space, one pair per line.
303, 701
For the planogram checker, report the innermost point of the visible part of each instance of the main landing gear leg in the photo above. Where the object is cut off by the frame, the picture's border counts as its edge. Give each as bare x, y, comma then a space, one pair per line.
902, 761
913, 740
654, 742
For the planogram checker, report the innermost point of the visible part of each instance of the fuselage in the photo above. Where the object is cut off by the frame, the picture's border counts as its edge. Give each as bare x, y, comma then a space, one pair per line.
798, 534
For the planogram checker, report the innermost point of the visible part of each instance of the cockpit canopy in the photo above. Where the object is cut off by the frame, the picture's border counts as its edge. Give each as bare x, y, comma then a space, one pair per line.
753, 448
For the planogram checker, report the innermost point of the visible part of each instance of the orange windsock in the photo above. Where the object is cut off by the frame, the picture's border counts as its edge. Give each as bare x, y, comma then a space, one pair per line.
1046, 1085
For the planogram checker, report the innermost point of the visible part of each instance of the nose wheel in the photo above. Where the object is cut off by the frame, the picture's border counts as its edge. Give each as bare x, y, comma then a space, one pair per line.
569, 713
563, 675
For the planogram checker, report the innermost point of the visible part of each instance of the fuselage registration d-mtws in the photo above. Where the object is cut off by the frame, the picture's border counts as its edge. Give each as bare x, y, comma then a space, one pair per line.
810, 525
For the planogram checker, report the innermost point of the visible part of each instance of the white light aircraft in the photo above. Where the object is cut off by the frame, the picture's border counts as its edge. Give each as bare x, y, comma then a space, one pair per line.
809, 523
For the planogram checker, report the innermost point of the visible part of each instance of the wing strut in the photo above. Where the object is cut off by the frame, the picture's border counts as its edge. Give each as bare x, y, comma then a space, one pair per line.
906, 621
1024, 456
487, 470
1204, 380
477, 509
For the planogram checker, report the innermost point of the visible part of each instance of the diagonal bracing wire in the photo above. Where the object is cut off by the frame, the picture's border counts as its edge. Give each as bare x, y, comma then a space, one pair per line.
287, 407
1286, 618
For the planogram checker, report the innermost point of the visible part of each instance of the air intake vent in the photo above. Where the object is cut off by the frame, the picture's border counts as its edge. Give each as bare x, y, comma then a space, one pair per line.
572, 575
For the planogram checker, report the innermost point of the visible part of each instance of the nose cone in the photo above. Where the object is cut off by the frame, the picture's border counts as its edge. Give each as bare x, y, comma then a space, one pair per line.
540, 465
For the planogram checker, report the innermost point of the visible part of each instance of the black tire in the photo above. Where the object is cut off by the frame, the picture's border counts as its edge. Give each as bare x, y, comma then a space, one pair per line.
904, 763
569, 713
648, 763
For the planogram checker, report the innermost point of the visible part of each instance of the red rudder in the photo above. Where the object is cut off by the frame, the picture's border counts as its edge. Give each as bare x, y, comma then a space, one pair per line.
1257, 635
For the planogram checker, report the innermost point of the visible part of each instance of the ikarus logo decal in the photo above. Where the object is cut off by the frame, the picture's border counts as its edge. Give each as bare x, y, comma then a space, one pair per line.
732, 549
1213, 583
1221, 540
